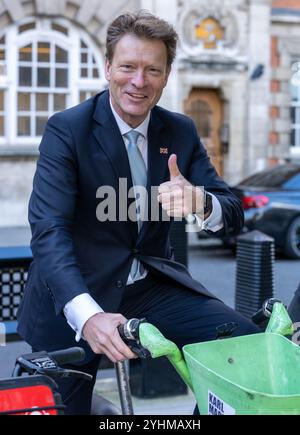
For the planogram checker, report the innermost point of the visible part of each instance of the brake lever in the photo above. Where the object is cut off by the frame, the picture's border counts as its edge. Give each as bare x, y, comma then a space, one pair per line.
43, 364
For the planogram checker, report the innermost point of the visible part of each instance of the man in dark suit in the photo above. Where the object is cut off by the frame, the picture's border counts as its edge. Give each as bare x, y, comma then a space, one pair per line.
89, 272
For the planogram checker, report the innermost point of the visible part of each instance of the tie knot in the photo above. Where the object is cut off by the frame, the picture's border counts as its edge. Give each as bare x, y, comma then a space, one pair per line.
132, 136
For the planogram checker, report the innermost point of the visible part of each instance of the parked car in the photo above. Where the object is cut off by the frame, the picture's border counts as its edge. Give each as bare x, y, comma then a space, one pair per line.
271, 202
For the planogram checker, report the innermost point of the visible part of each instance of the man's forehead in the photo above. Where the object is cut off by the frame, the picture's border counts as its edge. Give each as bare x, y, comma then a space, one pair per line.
132, 39
145, 47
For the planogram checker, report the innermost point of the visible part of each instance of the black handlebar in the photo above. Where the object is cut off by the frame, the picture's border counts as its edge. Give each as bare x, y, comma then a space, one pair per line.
68, 356
130, 330
129, 333
48, 363
265, 311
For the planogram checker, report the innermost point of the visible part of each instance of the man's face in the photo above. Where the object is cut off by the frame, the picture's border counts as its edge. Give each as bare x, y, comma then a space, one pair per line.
137, 75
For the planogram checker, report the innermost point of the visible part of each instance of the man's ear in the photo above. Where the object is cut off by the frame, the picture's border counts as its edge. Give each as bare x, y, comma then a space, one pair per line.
107, 69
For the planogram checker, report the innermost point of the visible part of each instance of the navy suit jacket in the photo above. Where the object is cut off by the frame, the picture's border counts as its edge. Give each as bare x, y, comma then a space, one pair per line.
81, 150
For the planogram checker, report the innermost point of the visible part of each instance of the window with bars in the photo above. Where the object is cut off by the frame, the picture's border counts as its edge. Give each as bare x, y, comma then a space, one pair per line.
2, 92
53, 65
2, 56
88, 64
43, 85
2, 117
295, 116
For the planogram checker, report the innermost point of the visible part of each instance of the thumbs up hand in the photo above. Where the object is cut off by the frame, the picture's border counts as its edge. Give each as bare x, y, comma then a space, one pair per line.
173, 168
178, 197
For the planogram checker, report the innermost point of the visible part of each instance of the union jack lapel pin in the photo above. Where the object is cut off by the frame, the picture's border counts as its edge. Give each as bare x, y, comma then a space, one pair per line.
163, 150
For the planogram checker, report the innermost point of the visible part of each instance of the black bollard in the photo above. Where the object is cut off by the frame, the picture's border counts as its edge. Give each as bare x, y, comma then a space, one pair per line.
254, 271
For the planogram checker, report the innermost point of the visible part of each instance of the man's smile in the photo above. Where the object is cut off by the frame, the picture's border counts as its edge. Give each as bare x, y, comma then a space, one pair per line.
136, 96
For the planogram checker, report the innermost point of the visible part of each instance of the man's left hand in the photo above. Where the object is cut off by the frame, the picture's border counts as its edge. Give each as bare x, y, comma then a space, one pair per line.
178, 197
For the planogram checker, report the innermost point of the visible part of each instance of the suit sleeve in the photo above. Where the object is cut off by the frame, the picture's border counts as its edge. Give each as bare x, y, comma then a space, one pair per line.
51, 214
202, 173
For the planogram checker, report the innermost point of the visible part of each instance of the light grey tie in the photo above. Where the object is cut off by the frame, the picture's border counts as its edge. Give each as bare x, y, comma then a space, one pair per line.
139, 178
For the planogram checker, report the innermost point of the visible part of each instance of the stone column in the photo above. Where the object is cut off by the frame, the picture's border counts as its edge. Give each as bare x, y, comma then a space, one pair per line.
234, 90
258, 89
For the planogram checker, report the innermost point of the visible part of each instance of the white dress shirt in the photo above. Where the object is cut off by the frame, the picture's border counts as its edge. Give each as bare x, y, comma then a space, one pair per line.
83, 306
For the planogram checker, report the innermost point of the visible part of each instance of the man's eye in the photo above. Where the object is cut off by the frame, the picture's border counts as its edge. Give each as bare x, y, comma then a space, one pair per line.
155, 71
126, 67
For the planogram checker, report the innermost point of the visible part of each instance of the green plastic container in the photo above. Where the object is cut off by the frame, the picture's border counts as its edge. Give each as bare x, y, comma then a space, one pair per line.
253, 374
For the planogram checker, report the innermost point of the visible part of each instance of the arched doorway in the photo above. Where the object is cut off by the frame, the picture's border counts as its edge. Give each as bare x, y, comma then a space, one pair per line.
205, 107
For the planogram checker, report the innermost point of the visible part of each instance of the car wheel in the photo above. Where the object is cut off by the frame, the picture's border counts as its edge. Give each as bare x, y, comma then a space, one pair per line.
292, 241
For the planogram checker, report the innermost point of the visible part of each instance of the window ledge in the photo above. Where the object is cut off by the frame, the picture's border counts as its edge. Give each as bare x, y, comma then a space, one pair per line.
19, 150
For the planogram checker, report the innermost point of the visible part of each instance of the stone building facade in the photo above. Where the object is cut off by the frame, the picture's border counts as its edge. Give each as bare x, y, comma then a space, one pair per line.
284, 134
236, 75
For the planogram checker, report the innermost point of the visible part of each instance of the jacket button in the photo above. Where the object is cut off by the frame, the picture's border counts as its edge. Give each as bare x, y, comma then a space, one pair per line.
135, 251
119, 284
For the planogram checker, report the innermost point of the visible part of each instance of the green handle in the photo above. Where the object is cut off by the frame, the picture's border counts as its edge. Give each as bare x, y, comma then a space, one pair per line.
280, 321
153, 340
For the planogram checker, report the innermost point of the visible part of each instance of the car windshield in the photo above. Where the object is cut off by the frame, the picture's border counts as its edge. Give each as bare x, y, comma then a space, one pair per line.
278, 176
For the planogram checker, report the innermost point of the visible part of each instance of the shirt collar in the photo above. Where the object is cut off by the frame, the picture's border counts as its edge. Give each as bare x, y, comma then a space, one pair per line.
125, 128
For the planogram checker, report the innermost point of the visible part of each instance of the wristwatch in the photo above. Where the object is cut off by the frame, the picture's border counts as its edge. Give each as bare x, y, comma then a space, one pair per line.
207, 203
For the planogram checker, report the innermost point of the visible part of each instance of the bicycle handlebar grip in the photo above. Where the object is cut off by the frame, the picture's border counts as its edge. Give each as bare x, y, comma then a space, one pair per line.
130, 330
68, 356
129, 333
264, 312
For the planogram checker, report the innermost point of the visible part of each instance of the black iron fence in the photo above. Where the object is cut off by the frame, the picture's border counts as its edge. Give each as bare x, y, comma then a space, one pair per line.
14, 265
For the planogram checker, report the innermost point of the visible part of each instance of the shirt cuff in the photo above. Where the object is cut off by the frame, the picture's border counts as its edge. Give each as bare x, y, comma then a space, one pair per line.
214, 222
79, 310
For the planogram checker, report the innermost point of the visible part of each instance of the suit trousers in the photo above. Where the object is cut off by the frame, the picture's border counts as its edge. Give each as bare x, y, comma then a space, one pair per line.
182, 315
294, 307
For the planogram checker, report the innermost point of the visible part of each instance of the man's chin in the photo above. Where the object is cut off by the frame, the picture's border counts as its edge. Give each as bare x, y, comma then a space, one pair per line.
136, 109
136, 113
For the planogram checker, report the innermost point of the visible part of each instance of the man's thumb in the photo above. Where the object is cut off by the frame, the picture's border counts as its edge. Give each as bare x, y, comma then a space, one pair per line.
173, 168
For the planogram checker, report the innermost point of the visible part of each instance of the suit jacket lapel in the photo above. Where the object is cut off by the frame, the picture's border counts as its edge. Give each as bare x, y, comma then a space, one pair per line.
158, 145
110, 139
111, 142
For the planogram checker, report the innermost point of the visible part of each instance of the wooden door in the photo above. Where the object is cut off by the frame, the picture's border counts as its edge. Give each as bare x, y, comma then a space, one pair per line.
204, 106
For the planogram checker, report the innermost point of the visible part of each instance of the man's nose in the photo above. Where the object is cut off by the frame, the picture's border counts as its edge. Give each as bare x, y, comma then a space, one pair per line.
138, 79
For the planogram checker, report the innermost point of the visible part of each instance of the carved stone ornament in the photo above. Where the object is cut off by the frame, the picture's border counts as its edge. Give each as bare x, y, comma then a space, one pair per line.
208, 29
